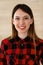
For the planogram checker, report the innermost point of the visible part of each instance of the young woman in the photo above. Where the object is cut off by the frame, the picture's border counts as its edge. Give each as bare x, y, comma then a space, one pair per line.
23, 47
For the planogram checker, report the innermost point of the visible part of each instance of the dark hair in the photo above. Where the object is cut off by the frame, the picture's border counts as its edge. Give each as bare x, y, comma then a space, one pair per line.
27, 9
23, 7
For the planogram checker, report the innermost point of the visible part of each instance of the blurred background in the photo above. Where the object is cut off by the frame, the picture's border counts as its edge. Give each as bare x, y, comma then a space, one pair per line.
6, 7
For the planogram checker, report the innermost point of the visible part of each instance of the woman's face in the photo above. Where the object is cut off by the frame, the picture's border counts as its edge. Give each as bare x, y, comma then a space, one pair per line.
22, 21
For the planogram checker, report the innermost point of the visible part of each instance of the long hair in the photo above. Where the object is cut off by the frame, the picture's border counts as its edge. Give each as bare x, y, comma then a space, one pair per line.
27, 9
31, 31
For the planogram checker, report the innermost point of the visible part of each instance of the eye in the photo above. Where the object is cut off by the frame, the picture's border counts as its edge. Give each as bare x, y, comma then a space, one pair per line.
17, 18
26, 18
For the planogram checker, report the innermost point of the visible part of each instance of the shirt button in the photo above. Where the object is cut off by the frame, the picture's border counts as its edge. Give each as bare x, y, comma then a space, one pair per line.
21, 46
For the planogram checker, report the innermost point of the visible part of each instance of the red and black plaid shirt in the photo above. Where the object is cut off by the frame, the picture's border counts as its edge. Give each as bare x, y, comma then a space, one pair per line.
21, 52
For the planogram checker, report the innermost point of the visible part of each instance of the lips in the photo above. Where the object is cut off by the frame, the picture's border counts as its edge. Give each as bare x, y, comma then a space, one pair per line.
22, 27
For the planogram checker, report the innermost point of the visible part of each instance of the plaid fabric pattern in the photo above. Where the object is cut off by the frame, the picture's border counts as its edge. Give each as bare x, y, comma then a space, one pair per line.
21, 52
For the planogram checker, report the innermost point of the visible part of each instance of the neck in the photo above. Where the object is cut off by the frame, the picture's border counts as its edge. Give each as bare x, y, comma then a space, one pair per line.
22, 35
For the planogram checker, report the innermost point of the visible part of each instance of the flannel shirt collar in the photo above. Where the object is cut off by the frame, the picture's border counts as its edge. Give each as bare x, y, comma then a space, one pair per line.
18, 39
25, 39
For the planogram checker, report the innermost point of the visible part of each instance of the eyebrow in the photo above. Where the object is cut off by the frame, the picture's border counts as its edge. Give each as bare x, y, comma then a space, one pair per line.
22, 16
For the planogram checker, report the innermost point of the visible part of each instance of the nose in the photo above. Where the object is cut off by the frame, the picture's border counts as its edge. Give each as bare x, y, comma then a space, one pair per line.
22, 22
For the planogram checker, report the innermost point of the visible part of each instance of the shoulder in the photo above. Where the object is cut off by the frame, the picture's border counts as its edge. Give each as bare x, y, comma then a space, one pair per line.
4, 41
7, 43
7, 40
40, 44
40, 40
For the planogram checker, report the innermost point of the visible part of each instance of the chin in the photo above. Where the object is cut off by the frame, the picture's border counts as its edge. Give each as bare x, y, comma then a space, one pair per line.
22, 31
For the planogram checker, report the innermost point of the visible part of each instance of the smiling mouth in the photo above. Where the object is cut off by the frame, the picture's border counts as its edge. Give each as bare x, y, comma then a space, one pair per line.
22, 27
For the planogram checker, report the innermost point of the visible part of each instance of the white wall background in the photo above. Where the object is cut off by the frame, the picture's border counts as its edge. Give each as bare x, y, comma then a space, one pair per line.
6, 7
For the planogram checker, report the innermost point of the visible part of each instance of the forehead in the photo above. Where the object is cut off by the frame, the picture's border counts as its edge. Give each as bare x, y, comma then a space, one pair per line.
20, 12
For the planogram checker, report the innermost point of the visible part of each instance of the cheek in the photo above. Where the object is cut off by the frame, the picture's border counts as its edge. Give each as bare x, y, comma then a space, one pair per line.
28, 23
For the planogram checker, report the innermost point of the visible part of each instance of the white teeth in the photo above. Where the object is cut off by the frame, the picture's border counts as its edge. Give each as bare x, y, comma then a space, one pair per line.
22, 27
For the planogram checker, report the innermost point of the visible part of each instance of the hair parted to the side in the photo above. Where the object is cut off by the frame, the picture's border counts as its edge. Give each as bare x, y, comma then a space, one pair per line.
27, 9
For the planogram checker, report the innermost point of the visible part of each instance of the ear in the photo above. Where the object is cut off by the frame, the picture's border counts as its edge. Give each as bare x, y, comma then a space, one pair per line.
13, 21
31, 21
